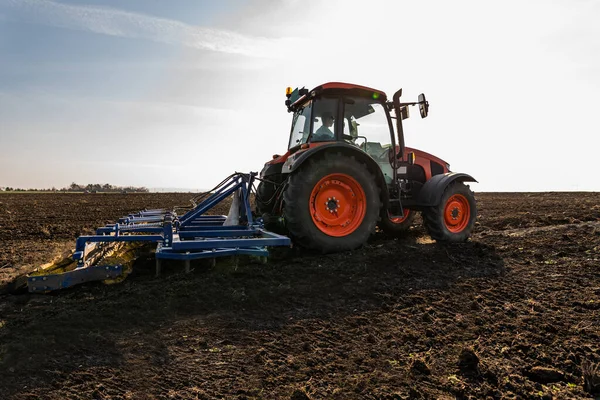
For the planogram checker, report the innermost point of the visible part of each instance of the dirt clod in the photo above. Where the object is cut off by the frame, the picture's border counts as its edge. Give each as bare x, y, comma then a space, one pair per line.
591, 377
299, 395
419, 366
468, 361
546, 375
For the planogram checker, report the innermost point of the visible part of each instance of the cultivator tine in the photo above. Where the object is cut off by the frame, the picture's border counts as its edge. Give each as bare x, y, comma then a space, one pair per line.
158, 267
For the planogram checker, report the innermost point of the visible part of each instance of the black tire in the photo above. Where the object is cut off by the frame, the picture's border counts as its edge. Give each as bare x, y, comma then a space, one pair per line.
298, 216
456, 197
264, 198
396, 228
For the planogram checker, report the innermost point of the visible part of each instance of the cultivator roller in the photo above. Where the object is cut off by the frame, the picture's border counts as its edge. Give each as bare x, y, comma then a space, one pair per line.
193, 235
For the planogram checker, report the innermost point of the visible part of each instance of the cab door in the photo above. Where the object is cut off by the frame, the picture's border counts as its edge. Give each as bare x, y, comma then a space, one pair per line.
368, 125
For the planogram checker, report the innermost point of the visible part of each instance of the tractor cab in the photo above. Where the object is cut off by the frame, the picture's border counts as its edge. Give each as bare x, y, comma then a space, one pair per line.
359, 116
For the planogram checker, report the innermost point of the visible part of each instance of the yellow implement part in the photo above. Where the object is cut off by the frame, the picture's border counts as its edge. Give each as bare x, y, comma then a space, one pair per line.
109, 254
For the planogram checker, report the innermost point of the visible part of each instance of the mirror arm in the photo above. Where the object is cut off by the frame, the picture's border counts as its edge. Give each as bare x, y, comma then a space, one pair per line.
399, 128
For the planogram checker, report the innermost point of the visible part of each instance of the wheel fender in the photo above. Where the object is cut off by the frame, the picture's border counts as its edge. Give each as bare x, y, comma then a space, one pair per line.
297, 159
431, 193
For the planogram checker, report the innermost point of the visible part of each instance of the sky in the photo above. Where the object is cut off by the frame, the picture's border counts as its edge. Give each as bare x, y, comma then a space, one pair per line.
181, 93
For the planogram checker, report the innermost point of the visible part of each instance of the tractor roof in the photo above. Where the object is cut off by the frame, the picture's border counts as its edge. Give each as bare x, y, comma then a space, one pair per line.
367, 91
297, 97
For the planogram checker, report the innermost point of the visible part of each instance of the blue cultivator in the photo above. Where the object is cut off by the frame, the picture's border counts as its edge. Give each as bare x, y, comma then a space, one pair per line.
191, 236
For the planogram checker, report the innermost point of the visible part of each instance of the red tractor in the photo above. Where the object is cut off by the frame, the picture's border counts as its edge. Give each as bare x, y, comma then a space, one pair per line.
346, 172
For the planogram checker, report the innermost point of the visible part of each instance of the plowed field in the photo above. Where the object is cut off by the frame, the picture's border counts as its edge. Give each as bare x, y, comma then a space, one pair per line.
513, 313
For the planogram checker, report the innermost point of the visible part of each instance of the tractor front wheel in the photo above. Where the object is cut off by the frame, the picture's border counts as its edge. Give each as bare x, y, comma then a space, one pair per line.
453, 219
331, 204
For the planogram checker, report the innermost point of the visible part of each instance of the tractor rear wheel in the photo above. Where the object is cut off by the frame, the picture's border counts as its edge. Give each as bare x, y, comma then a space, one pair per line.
331, 204
453, 219
398, 225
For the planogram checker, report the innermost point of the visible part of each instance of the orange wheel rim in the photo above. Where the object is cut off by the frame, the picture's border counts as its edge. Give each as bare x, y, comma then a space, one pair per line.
399, 220
338, 205
457, 213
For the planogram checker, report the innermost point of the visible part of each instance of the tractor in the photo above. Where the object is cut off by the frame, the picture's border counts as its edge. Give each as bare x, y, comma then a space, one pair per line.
347, 171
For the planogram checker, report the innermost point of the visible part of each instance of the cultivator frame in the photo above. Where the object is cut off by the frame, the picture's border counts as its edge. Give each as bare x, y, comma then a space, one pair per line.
191, 236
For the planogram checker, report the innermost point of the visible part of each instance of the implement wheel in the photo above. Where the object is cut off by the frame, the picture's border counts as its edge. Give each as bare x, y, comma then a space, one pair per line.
399, 225
331, 204
453, 219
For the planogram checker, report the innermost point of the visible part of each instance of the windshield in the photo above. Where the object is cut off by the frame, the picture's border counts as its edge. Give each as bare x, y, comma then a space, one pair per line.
300, 125
322, 113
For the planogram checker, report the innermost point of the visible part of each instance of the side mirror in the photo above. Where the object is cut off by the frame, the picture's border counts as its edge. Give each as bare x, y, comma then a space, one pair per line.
423, 106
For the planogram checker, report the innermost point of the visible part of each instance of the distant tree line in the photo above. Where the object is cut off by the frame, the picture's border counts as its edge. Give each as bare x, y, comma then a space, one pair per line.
89, 188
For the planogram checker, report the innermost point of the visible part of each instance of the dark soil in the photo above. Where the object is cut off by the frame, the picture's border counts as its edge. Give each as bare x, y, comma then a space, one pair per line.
513, 313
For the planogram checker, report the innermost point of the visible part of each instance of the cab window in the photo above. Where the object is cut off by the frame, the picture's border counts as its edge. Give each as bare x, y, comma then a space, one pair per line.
324, 115
366, 123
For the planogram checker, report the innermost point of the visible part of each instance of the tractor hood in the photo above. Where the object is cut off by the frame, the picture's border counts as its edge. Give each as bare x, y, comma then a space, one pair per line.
424, 154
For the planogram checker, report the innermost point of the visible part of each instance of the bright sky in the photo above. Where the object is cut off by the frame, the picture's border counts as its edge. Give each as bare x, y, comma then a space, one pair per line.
182, 93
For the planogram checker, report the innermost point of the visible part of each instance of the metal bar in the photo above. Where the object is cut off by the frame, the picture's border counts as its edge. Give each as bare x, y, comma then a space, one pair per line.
212, 228
162, 254
154, 212
134, 220
126, 229
273, 235
211, 202
190, 245
201, 219
210, 217
224, 186
66, 279
246, 198
208, 204
82, 240
202, 225
218, 233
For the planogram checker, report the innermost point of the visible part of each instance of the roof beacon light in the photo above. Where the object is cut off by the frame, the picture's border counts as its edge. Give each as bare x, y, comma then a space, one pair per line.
288, 91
